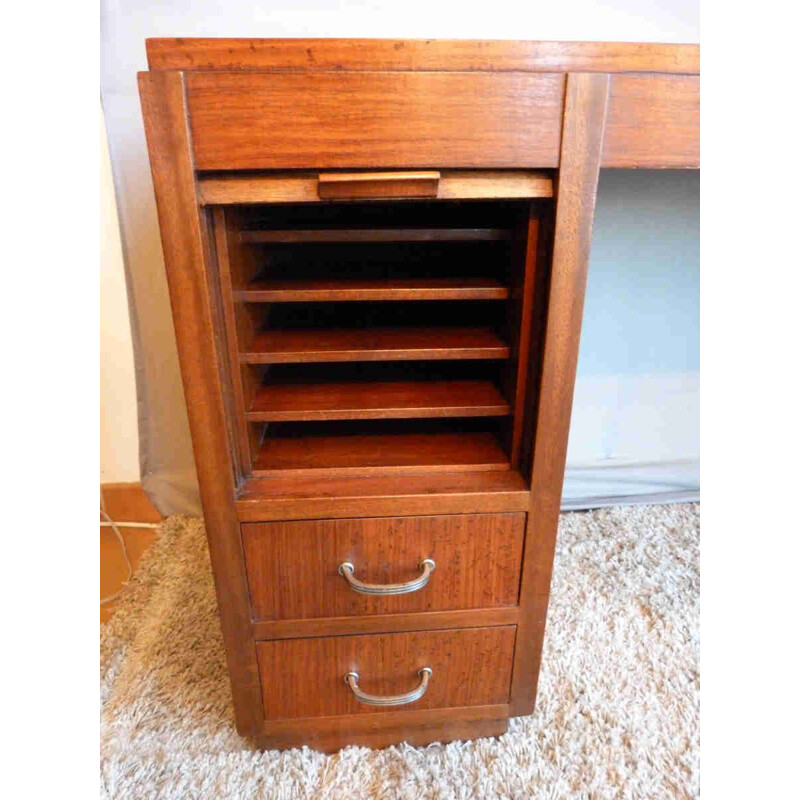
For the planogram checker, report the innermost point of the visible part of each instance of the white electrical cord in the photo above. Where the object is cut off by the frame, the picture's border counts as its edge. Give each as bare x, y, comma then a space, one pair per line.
115, 526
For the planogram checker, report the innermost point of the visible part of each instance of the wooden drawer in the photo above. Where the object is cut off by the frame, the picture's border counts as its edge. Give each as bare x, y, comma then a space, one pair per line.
306, 677
293, 567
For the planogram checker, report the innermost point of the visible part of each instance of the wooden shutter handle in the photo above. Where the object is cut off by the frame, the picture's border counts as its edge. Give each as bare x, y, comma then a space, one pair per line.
361, 185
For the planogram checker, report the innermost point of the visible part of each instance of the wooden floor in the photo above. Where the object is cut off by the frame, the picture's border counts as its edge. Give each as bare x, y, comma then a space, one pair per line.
124, 502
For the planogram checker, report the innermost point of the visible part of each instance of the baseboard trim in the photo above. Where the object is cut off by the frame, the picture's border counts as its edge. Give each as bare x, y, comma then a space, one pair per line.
654, 498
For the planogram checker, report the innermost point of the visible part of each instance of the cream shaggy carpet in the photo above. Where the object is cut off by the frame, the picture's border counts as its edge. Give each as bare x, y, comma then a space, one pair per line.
617, 714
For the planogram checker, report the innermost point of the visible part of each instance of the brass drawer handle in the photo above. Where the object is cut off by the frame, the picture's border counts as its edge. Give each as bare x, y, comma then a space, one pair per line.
351, 679
427, 565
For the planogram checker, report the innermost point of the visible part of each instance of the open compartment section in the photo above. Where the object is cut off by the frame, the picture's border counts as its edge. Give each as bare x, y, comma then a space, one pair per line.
381, 338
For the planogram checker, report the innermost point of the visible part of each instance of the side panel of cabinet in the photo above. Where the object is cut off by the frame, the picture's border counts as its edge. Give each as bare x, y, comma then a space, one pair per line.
188, 250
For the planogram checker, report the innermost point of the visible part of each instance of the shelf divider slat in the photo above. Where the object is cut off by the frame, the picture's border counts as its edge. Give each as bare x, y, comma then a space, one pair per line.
301, 345
332, 290
332, 235
381, 454
288, 402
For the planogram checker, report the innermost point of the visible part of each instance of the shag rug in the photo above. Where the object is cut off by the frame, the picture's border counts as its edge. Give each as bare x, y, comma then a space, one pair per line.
617, 714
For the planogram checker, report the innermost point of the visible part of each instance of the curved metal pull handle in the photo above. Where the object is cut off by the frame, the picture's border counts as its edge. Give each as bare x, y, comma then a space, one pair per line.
351, 679
427, 566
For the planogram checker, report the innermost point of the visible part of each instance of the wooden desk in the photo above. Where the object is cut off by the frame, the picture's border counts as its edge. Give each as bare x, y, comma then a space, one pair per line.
377, 256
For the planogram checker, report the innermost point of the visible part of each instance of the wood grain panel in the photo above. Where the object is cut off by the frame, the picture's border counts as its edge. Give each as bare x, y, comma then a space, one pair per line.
577, 189
653, 121
292, 567
314, 498
375, 120
420, 54
471, 667
184, 240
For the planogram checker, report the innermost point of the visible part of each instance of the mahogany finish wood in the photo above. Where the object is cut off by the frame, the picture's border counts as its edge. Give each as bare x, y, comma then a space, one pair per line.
477, 560
384, 623
581, 151
390, 400
379, 454
471, 667
360, 119
362, 290
378, 235
361, 185
243, 136
329, 734
315, 498
653, 121
420, 55
165, 115
228, 252
298, 345
297, 186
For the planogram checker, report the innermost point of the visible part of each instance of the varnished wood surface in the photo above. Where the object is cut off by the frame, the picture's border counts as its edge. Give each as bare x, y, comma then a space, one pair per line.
315, 498
228, 263
380, 120
420, 54
379, 454
301, 187
377, 400
363, 290
186, 258
653, 121
299, 345
385, 623
477, 564
330, 734
521, 310
363, 185
331, 235
471, 667
581, 153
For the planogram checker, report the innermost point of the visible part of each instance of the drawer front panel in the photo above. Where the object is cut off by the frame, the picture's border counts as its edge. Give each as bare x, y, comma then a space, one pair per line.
306, 677
375, 120
293, 567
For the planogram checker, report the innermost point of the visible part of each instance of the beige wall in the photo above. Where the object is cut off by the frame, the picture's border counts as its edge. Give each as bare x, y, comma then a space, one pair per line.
119, 433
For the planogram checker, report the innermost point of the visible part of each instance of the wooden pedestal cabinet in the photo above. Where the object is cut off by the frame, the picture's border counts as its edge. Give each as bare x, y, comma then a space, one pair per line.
377, 255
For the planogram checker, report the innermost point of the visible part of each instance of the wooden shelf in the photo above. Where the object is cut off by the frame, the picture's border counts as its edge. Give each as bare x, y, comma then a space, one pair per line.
331, 235
298, 345
311, 290
376, 400
382, 454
